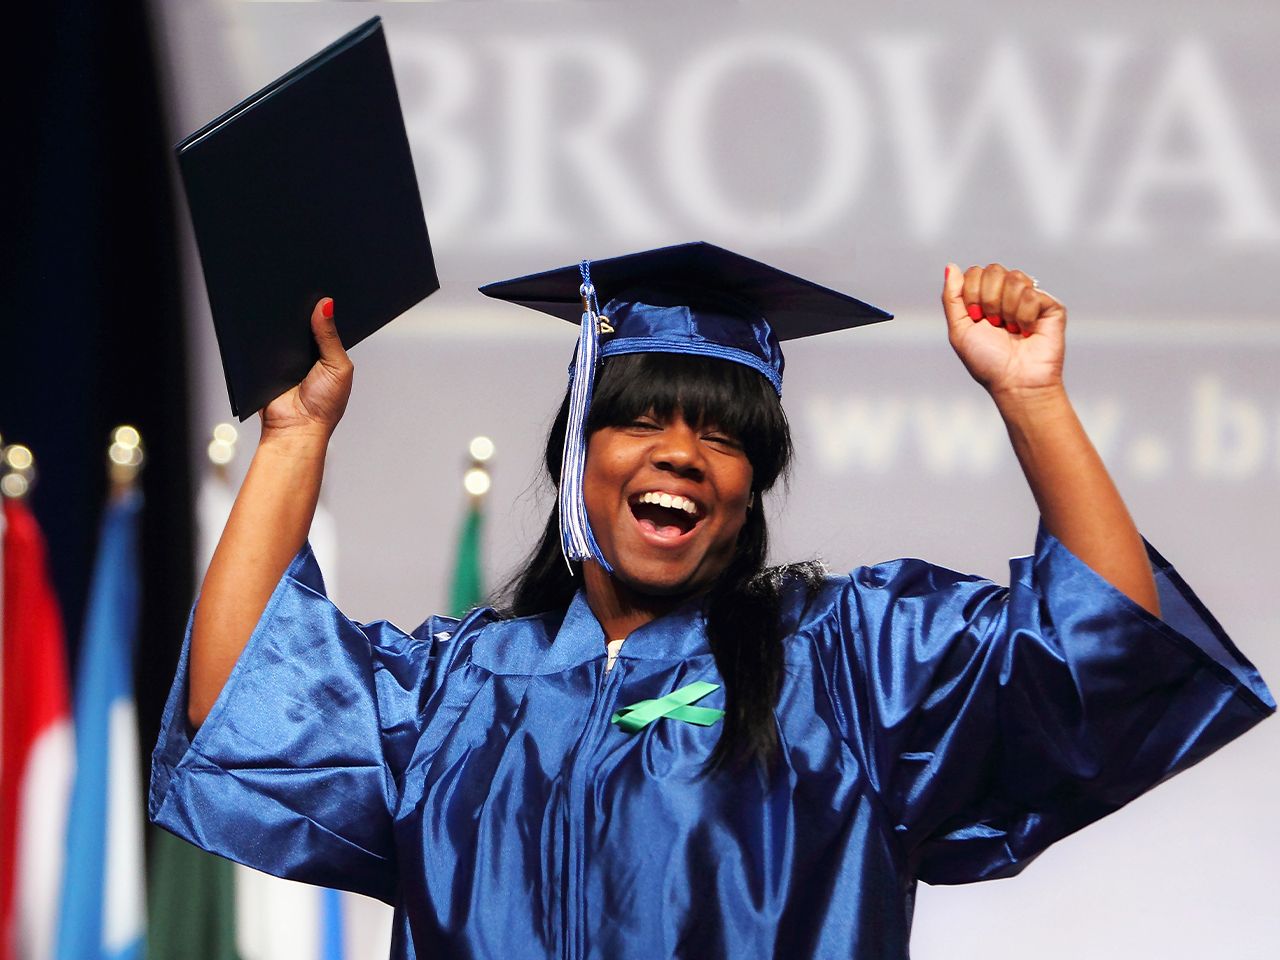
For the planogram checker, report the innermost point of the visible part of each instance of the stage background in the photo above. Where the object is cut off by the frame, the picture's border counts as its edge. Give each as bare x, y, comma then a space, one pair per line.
1124, 154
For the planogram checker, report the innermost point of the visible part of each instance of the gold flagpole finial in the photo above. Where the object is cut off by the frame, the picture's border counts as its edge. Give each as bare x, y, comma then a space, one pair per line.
124, 458
222, 447
17, 470
476, 481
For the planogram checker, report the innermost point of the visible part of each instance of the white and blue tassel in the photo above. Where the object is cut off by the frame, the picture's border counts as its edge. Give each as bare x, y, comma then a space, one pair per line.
576, 538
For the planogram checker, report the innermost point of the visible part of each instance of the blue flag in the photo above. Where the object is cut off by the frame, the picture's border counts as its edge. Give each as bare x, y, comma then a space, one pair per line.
103, 912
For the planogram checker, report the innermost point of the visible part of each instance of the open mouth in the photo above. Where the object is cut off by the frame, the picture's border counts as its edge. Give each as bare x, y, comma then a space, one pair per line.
664, 515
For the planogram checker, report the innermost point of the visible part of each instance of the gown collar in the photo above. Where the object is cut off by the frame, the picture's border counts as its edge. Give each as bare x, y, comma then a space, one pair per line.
677, 636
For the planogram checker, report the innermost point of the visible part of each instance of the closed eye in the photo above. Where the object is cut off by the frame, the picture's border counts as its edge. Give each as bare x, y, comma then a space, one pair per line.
723, 440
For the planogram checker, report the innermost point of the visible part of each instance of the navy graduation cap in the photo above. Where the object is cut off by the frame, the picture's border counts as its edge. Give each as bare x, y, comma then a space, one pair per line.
692, 298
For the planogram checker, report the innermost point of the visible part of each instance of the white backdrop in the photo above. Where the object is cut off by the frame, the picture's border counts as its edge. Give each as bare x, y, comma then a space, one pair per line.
1126, 156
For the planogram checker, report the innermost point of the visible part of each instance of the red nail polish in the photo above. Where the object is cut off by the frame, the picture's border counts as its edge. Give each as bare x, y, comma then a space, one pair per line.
946, 275
326, 309
1014, 328
994, 321
975, 311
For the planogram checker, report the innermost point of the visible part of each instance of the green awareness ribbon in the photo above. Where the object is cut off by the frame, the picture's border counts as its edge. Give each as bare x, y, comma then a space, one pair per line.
675, 705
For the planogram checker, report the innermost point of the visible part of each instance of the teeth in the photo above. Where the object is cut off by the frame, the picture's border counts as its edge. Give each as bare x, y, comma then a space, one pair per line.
671, 502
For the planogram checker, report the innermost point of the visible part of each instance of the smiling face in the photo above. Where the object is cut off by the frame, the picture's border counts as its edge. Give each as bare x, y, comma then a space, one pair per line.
666, 500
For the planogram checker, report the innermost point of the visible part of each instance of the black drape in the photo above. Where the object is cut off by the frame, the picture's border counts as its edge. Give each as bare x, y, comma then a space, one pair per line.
93, 325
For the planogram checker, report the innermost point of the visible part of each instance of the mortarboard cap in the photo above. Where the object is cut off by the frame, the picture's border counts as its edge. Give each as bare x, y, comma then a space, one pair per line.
306, 189
693, 298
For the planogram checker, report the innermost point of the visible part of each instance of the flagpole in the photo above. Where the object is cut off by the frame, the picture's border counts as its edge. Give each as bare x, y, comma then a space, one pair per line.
466, 590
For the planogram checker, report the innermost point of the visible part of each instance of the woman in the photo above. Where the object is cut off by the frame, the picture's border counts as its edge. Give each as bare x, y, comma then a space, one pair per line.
670, 750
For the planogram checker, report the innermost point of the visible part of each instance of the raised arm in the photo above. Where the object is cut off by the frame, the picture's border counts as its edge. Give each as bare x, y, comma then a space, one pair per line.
271, 515
1010, 335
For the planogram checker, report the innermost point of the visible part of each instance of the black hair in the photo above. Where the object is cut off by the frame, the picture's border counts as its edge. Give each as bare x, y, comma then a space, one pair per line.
743, 604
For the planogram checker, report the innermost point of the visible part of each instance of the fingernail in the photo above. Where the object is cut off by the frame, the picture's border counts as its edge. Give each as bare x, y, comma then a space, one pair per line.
1013, 327
326, 309
994, 321
975, 311
946, 275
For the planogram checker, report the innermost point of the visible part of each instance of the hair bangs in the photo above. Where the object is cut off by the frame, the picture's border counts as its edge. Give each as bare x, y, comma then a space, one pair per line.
705, 392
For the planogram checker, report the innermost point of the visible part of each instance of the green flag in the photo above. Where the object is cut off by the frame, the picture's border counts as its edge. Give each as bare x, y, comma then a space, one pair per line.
191, 904
466, 592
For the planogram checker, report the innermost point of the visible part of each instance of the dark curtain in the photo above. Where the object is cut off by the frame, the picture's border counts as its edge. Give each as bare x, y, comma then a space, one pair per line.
93, 330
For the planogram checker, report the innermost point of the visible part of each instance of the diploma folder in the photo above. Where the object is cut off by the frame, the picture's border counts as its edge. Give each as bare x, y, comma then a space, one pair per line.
306, 190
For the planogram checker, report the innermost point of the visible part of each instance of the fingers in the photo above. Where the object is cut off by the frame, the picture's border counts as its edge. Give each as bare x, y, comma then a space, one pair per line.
1002, 297
325, 330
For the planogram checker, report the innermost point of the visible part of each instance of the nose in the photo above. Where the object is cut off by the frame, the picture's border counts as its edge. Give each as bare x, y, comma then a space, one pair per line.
679, 450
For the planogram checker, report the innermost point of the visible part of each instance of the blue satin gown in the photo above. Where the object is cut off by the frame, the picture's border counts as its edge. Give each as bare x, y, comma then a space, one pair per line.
934, 727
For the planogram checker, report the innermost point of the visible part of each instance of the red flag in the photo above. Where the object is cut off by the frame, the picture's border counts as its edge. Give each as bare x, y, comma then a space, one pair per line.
38, 756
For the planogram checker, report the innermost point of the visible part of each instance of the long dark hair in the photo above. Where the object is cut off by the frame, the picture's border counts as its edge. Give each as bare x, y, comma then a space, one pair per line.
743, 603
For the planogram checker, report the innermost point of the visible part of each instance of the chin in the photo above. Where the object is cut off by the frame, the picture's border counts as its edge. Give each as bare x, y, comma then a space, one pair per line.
656, 581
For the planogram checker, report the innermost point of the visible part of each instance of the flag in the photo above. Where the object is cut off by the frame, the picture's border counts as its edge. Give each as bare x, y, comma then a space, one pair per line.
103, 908
466, 591
37, 749
191, 905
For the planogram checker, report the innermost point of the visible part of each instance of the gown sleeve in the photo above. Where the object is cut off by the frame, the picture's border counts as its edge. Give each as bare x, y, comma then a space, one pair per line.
996, 721
297, 769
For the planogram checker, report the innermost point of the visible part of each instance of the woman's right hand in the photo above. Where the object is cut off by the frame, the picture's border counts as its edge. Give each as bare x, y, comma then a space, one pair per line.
314, 406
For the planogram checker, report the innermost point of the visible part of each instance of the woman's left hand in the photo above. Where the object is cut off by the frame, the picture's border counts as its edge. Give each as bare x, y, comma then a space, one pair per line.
1009, 334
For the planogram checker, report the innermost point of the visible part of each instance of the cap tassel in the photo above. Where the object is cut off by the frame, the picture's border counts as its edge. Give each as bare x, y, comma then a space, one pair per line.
576, 538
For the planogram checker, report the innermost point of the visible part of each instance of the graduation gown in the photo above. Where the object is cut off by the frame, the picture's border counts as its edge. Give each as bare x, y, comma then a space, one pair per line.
933, 726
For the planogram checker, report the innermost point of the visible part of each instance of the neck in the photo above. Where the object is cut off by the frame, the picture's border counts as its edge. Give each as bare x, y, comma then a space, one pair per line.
620, 609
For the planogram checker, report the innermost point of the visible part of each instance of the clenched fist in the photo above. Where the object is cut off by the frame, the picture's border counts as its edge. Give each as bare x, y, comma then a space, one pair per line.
1008, 333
